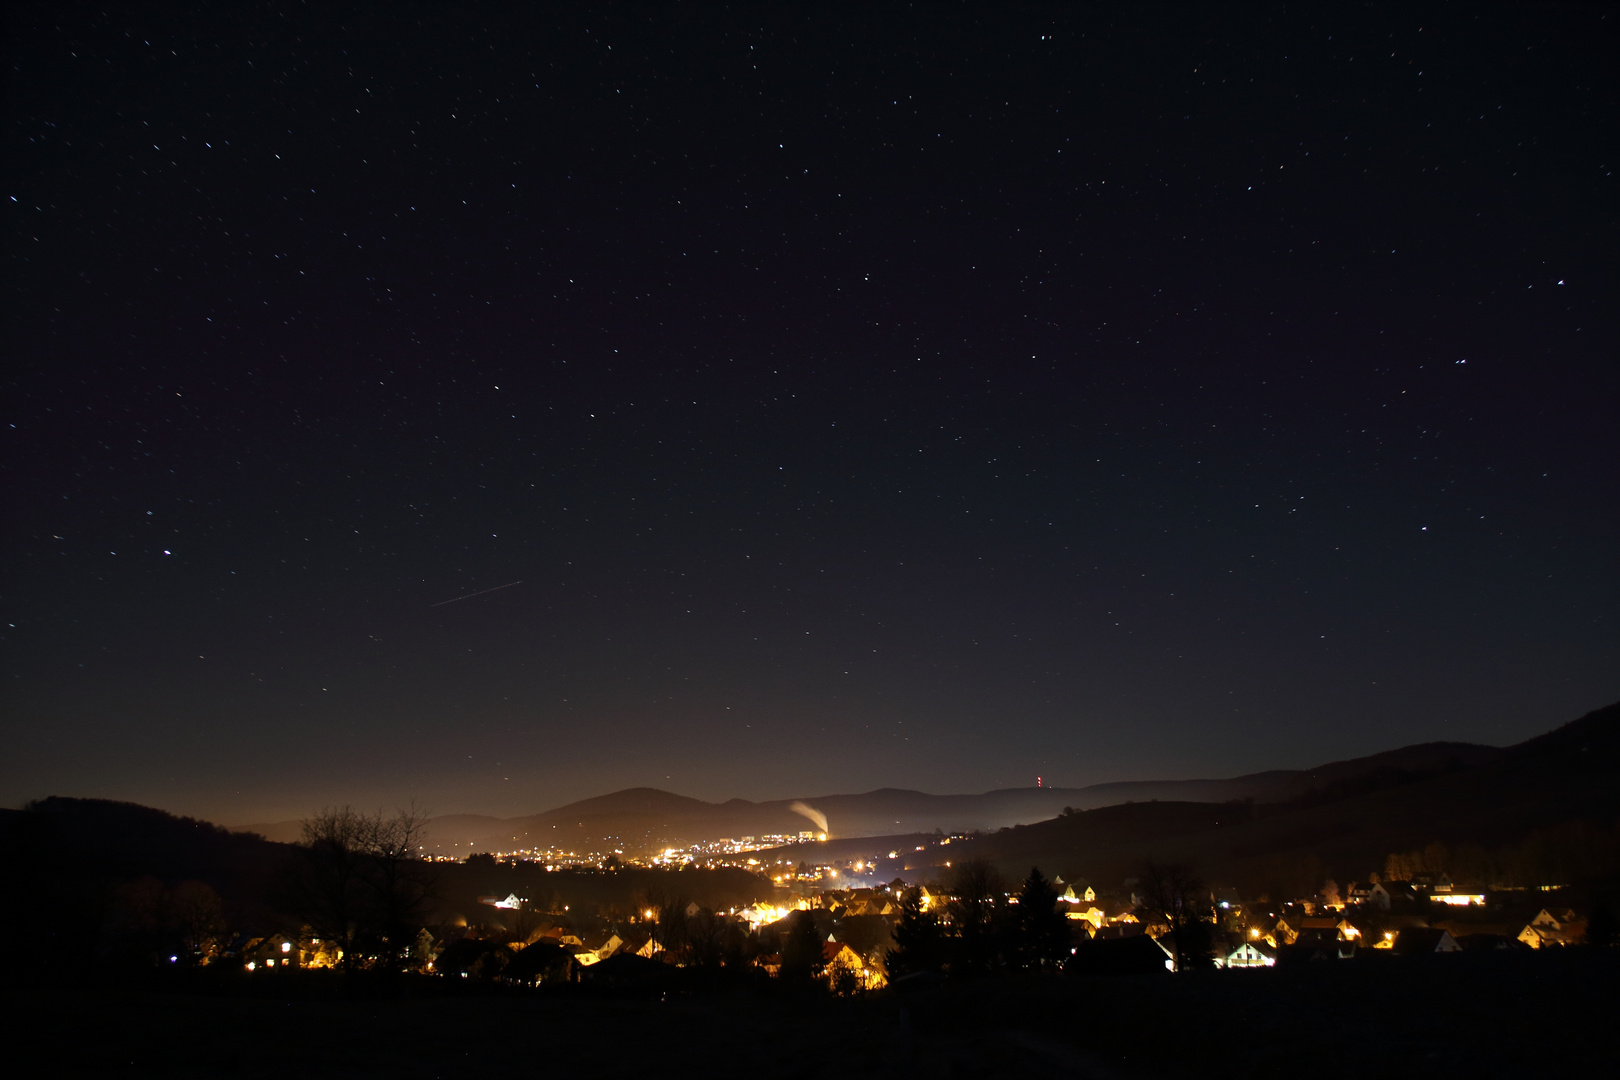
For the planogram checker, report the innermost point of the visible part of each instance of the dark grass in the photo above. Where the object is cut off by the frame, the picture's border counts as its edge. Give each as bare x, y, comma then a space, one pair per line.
1483, 1016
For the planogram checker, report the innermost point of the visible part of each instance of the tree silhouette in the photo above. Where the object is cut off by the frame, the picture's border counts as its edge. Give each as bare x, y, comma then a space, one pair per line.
705, 939
975, 906
669, 918
919, 940
1176, 898
396, 879
1040, 932
325, 890
148, 922
802, 958
360, 883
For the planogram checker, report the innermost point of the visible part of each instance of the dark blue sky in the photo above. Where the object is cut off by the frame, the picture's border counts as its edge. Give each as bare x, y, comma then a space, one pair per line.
918, 398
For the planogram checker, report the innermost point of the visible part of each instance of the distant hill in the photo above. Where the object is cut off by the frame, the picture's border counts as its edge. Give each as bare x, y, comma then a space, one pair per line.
1553, 801
647, 819
66, 859
1547, 808
120, 839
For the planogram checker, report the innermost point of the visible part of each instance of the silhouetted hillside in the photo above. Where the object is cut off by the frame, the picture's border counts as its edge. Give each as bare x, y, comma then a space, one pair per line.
644, 819
1553, 800
1543, 811
127, 838
71, 863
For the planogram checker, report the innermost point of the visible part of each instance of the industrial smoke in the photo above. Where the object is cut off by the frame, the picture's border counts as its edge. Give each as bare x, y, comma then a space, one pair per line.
813, 814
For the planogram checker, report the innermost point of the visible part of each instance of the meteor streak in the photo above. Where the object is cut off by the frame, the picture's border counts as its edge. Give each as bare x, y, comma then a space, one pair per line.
470, 595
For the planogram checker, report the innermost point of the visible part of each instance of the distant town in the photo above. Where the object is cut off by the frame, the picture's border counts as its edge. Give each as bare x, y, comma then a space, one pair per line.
1444, 879
1405, 909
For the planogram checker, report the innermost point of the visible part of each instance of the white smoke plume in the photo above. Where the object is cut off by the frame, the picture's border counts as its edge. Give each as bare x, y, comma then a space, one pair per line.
813, 814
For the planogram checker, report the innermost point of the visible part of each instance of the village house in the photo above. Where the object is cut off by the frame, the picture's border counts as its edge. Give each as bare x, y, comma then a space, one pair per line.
509, 902
837, 956
1421, 940
1553, 928
1121, 915
1092, 915
562, 936
1084, 894
1445, 892
1244, 953
1472, 935
1383, 933
1327, 928
270, 952
1389, 894
1134, 954
1312, 951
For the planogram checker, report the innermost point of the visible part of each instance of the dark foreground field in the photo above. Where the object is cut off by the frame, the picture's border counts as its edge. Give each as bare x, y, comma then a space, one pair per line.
1476, 1016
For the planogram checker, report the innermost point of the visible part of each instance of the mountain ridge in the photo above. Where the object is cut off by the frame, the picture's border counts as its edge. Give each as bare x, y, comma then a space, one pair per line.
1542, 809
648, 818
1546, 810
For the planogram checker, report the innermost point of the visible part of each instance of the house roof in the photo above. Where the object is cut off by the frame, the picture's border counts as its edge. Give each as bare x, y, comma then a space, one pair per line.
1421, 939
1136, 954
1255, 944
830, 951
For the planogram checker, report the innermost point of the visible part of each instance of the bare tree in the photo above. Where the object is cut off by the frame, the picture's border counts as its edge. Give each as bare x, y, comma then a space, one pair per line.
705, 938
1176, 897
396, 878
325, 890
665, 909
199, 917
361, 882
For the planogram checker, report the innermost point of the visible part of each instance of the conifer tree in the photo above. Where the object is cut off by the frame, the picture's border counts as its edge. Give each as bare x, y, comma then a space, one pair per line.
918, 938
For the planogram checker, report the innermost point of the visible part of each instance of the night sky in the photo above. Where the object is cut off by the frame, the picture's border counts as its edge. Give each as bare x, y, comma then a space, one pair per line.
932, 397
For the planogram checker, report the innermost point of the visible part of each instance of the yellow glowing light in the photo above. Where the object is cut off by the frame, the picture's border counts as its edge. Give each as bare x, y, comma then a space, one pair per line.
286, 946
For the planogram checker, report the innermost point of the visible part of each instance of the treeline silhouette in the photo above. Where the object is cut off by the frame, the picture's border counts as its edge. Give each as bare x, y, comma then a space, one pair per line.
116, 884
